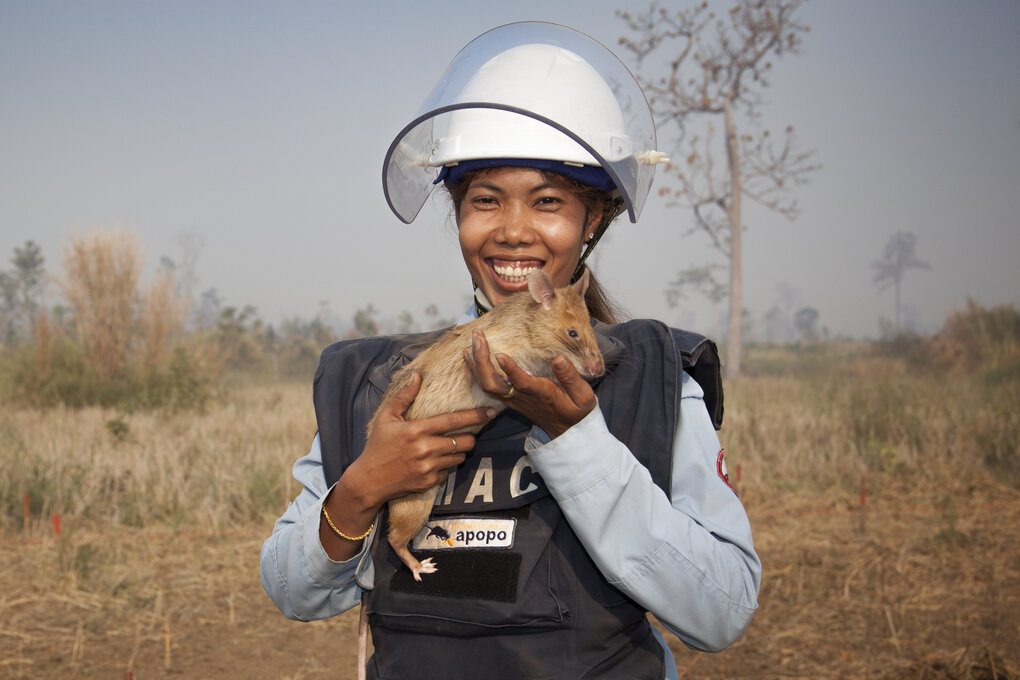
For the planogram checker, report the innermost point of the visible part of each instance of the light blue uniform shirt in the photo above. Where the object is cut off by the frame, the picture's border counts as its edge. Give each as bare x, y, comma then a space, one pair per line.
690, 562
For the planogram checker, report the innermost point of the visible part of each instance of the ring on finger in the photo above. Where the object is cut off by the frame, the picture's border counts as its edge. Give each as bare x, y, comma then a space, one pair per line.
509, 393
454, 440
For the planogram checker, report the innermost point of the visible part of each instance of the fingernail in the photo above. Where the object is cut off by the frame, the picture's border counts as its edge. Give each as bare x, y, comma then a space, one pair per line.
560, 362
490, 413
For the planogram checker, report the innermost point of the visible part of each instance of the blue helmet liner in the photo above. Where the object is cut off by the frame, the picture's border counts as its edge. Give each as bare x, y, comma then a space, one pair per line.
588, 175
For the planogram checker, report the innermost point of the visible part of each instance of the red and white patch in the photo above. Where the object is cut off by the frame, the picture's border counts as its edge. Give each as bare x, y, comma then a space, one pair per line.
720, 467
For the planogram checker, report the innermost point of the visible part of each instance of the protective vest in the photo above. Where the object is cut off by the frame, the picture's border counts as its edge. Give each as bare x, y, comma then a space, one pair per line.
515, 593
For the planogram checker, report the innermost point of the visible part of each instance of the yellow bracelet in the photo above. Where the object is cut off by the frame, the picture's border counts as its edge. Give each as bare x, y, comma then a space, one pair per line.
342, 534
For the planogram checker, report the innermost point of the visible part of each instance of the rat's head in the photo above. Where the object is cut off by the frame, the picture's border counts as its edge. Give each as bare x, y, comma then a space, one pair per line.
562, 324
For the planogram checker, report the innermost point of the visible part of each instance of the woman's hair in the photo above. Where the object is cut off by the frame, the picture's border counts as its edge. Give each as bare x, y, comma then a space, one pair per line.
600, 304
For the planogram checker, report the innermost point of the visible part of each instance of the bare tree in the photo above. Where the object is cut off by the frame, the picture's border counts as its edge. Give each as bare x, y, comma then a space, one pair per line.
364, 322
191, 243
21, 290
700, 279
207, 312
100, 284
805, 321
775, 324
715, 69
899, 256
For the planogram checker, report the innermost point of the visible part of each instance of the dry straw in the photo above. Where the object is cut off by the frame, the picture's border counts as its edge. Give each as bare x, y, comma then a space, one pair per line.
162, 319
101, 278
149, 574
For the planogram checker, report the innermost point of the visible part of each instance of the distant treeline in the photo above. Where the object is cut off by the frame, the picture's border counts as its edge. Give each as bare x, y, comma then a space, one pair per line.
112, 341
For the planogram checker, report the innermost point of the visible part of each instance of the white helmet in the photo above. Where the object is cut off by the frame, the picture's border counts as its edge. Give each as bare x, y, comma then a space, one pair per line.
528, 90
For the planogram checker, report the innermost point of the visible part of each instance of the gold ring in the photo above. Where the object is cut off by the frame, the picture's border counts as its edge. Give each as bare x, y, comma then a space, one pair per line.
509, 393
454, 445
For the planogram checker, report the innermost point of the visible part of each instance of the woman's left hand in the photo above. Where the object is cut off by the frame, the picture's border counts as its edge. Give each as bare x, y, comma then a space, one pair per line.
555, 406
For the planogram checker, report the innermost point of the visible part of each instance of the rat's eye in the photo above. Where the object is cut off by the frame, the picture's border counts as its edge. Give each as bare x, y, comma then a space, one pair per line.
573, 333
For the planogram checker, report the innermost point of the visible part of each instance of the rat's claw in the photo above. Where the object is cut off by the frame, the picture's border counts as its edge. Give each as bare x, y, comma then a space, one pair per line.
426, 567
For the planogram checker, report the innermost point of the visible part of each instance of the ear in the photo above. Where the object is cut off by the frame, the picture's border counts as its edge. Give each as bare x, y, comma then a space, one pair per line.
541, 288
581, 285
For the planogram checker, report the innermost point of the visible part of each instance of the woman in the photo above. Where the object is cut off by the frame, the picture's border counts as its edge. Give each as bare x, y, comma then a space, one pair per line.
580, 508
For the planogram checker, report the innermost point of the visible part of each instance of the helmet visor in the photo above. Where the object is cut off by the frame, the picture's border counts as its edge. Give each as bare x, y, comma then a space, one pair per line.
527, 90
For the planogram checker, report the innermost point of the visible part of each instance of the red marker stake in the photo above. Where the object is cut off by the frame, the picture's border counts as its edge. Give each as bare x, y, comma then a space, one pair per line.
864, 499
26, 513
56, 524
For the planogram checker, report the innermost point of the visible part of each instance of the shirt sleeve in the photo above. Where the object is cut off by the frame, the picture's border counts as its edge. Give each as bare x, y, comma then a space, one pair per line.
691, 562
303, 582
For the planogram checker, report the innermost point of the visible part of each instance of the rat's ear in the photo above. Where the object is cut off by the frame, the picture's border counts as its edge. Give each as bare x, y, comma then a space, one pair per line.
541, 288
581, 285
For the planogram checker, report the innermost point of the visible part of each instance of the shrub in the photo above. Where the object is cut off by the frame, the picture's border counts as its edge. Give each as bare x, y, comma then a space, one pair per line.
979, 338
101, 279
976, 339
121, 346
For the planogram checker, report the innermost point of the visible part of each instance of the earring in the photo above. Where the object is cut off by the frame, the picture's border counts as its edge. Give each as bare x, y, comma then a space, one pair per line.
590, 237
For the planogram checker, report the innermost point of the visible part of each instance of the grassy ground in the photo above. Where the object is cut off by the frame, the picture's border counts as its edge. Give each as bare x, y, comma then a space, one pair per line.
155, 570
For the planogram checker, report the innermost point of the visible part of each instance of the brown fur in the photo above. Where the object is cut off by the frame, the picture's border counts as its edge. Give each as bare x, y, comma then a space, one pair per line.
530, 327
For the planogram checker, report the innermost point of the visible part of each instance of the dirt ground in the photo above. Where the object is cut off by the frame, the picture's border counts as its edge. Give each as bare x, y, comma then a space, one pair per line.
910, 588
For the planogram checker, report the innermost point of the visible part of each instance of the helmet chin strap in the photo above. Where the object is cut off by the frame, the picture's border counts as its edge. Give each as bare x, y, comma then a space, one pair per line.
579, 270
482, 304
607, 219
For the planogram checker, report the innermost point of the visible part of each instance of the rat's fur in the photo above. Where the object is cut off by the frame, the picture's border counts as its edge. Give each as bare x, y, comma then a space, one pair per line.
530, 327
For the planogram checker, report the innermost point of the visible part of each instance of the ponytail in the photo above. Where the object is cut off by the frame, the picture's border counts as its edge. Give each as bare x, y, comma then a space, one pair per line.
600, 304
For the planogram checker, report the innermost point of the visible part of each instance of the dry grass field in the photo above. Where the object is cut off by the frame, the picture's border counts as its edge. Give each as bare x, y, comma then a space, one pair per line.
155, 570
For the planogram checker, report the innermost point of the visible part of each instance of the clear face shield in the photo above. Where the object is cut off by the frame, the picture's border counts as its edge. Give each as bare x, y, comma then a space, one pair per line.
528, 90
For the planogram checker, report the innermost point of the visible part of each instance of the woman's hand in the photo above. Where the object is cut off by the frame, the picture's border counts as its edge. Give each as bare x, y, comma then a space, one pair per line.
406, 456
555, 406
400, 457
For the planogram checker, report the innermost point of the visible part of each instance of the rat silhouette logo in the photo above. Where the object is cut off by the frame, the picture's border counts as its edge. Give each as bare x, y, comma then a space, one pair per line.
458, 533
438, 532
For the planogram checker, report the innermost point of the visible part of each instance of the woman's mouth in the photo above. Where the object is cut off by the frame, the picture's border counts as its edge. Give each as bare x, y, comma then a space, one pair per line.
514, 271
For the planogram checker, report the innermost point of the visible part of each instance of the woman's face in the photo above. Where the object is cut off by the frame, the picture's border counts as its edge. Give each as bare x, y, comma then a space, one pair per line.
512, 221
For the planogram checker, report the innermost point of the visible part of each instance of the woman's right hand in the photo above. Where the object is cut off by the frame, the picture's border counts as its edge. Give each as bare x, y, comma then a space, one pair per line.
406, 456
400, 457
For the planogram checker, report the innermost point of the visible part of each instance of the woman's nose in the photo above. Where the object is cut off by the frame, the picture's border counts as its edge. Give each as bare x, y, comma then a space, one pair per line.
516, 228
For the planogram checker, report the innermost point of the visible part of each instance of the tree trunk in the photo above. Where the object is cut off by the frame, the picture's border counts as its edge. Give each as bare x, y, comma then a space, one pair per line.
733, 338
896, 306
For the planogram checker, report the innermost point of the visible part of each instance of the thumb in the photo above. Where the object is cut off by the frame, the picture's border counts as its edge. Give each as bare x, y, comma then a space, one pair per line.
571, 381
406, 395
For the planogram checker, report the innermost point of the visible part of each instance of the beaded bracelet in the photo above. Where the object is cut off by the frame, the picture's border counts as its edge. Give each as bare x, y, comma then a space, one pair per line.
342, 534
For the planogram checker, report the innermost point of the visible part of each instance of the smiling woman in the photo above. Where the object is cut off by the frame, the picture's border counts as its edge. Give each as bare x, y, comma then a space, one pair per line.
512, 221
561, 213
600, 501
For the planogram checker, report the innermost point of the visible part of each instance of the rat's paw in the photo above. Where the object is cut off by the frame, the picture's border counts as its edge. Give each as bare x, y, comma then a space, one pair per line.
426, 567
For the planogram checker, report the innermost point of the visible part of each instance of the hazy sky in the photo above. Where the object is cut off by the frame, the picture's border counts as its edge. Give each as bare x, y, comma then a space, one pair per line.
261, 126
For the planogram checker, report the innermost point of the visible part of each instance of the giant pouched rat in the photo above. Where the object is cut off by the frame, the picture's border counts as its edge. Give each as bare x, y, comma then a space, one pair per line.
532, 328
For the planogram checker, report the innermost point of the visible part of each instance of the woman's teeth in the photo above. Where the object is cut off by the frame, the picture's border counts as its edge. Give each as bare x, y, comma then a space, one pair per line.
514, 273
